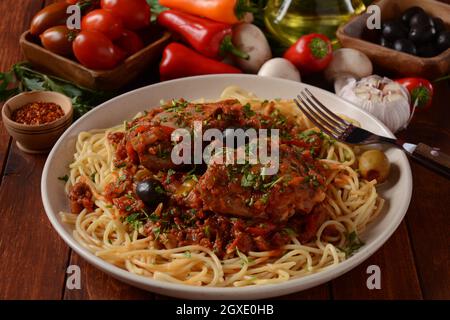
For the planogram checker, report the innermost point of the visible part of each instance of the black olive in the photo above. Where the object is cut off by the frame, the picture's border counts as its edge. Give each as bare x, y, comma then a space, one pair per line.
406, 46
421, 34
409, 13
420, 19
443, 41
427, 50
151, 192
393, 30
438, 24
386, 43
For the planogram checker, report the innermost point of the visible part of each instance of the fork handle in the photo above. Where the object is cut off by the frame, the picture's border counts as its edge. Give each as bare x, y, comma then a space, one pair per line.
433, 159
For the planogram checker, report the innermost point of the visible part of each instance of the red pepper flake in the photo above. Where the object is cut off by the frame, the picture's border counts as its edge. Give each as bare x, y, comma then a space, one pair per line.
36, 113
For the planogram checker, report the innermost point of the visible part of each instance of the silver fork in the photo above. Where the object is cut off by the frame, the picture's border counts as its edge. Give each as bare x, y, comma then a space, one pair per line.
344, 131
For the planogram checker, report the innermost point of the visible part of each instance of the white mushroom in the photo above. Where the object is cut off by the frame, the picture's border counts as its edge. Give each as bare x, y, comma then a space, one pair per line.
250, 39
347, 64
280, 68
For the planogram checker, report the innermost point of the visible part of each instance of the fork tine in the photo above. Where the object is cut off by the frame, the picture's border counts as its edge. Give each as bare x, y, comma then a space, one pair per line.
324, 126
324, 113
299, 103
320, 115
330, 113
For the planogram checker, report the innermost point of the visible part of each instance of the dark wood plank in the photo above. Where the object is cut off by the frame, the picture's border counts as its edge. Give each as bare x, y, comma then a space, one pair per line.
96, 284
428, 219
398, 274
33, 257
12, 25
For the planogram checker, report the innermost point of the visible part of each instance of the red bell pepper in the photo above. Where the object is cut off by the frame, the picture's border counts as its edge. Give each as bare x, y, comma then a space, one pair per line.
210, 38
420, 90
311, 53
179, 61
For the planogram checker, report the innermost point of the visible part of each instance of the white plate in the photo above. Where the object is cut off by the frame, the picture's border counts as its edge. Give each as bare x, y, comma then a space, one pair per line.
397, 191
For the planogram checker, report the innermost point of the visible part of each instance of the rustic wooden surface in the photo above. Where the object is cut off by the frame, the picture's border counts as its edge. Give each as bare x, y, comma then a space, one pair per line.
414, 262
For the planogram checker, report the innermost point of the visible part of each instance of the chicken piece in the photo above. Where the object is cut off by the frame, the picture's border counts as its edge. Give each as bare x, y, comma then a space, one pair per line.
240, 190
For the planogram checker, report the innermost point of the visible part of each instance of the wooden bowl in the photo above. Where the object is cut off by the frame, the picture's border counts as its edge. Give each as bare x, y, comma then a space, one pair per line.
37, 138
107, 80
354, 33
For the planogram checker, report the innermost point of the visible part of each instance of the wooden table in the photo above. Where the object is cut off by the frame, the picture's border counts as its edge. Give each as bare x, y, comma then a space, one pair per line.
414, 262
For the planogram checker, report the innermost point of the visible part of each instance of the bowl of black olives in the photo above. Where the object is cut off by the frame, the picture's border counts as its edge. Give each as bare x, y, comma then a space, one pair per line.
416, 32
414, 38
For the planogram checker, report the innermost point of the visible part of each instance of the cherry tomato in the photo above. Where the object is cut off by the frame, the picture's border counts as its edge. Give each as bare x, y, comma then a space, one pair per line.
72, 1
58, 40
129, 42
420, 90
135, 14
52, 15
96, 51
311, 53
103, 21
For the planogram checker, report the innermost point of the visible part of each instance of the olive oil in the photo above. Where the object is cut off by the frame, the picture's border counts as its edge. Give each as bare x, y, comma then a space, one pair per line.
288, 20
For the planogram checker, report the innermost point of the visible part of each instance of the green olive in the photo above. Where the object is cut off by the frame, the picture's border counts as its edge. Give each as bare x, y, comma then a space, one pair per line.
373, 164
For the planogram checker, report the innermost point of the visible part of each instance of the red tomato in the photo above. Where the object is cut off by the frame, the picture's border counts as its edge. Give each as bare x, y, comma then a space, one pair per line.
311, 53
103, 21
72, 1
58, 40
129, 42
96, 51
135, 14
421, 92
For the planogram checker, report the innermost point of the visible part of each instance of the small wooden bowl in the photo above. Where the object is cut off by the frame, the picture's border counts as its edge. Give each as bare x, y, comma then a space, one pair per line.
107, 80
353, 33
37, 138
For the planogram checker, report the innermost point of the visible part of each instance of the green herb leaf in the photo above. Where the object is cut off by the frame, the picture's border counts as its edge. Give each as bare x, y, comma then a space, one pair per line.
352, 244
156, 231
248, 112
23, 78
64, 178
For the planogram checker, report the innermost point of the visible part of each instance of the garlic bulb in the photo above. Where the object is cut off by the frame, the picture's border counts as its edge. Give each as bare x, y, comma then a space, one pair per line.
385, 99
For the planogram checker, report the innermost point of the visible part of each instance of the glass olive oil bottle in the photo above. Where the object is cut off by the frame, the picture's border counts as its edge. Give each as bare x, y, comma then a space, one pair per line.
288, 20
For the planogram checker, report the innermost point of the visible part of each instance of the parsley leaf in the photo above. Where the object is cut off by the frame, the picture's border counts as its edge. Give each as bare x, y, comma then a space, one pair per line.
352, 244
248, 112
64, 178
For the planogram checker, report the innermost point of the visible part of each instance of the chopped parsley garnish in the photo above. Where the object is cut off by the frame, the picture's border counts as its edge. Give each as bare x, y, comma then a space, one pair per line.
249, 179
248, 112
290, 232
177, 105
187, 254
265, 198
64, 178
207, 231
129, 196
156, 231
133, 220
170, 173
352, 244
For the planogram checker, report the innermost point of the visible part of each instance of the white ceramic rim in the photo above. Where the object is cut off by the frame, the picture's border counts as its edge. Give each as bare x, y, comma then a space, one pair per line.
250, 292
